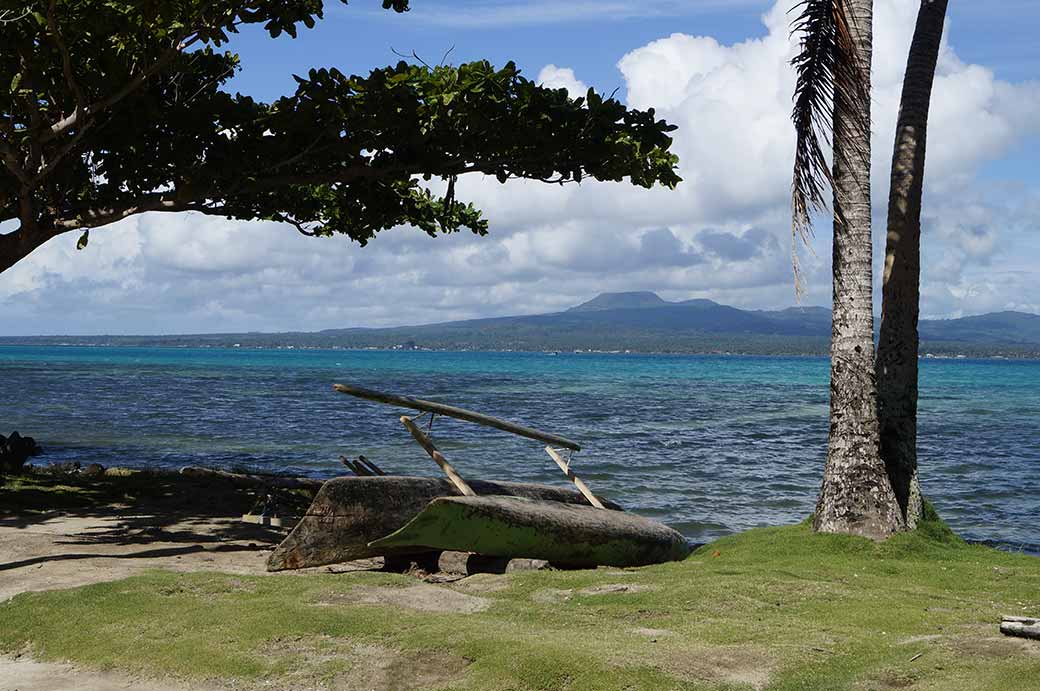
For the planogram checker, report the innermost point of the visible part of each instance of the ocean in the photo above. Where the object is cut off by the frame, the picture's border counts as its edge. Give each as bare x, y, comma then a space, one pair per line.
708, 444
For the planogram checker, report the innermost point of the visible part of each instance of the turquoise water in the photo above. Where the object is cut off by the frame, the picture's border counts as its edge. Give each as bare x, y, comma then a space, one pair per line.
708, 444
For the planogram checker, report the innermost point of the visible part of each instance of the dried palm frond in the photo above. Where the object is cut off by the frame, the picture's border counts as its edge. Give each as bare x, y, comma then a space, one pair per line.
828, 69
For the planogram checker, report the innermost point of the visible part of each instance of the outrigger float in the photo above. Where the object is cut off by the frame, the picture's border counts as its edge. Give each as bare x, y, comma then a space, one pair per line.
383, 515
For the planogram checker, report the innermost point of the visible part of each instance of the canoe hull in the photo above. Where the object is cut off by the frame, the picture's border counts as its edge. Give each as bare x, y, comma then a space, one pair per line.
350, 512
565, 534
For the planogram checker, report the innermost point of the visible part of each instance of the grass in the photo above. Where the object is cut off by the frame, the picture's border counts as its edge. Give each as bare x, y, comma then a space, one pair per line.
776, 608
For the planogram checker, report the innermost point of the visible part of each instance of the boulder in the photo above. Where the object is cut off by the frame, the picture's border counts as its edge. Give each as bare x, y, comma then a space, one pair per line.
15, 450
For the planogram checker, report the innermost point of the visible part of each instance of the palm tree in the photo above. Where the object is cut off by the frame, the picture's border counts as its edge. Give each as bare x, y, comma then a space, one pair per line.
832, 96
898, 345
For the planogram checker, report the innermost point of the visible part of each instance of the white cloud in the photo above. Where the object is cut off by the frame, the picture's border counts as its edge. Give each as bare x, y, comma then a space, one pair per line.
722, 234
554, 77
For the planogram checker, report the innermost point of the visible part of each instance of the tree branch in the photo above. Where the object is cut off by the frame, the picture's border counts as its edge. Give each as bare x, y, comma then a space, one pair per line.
297, 224
63, 125
94, 218
195, 200
66, 58
11, 162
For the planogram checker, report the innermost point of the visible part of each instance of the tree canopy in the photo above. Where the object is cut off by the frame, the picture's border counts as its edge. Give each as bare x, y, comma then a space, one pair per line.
118, 108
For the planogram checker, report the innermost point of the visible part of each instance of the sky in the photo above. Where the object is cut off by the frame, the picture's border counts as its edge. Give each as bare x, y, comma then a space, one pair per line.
719, 69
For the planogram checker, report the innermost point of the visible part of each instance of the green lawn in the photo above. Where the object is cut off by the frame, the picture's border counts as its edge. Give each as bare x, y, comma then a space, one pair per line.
777, 608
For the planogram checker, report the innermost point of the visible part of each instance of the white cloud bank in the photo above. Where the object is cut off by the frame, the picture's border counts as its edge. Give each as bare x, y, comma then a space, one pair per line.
723, 234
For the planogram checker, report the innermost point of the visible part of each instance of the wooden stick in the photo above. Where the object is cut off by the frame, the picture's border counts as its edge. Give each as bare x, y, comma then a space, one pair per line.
1023, 627
437, 456
582, 487
376, 470
355, 467
460, 413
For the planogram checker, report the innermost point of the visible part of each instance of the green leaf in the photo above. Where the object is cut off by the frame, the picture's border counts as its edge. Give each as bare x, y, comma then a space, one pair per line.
341, 154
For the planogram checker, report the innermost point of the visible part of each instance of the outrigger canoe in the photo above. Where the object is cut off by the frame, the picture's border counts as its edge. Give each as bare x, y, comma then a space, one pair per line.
350, 512
353, 518
565, 534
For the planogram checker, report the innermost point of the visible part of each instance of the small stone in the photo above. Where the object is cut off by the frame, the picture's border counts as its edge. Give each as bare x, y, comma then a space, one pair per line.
526, 565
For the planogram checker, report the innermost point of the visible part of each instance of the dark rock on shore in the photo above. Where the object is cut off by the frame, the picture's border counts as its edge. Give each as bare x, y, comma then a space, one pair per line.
15, 450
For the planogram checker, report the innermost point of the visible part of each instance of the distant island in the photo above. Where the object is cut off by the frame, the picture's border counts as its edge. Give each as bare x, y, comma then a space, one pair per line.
622, 322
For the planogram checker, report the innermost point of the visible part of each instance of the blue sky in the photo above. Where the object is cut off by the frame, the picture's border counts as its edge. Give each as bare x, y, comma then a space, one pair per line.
716, 68
589, 36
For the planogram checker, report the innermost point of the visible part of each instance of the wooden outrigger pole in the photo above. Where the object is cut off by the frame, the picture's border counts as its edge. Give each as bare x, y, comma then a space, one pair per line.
437, 456
460, 413
434, 408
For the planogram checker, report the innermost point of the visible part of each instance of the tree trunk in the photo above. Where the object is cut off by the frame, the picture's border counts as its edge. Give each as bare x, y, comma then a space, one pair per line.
18, 245
856, 496
898, 344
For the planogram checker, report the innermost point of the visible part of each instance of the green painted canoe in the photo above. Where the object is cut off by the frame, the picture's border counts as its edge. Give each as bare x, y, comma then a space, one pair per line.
565, 534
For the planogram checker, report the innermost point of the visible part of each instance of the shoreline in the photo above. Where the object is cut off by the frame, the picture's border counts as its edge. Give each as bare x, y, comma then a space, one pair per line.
138, 576
27, 342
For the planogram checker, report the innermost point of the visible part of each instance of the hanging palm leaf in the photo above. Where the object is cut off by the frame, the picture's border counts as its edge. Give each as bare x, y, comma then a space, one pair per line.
827, 67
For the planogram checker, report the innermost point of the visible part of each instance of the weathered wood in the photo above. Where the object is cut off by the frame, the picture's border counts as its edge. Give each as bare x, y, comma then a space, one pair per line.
249, 480
362, 467
376, 470
350, 512
437, 456
355, 467
455, 412
565, 467
260, 519
570, 534
1022, 627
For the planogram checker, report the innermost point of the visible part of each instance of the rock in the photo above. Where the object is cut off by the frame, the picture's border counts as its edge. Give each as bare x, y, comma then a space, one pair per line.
15, 450
521, 564
94, 470
453, 562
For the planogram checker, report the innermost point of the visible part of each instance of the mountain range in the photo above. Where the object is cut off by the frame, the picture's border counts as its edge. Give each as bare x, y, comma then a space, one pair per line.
635, 321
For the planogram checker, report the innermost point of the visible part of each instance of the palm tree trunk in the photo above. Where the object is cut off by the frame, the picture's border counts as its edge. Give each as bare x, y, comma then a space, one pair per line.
856, 496
898, 344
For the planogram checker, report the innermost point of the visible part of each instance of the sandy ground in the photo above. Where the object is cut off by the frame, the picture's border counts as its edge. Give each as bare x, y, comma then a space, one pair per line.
62, 551
65, 549
180, 529
21, 674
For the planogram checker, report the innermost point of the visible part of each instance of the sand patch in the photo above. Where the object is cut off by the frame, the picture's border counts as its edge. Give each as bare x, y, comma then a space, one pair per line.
998, 646
62, 551
652, 634
615, 589
929, 638
400, 671
551, 596
25, 674
336, 664
722, 664
483, 583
